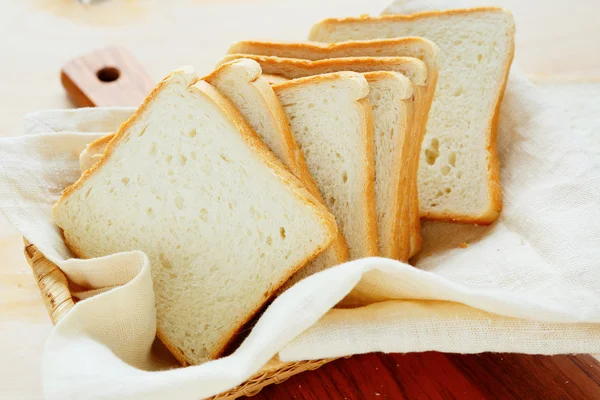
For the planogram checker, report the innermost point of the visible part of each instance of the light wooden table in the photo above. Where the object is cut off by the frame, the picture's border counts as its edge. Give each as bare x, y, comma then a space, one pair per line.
559, 38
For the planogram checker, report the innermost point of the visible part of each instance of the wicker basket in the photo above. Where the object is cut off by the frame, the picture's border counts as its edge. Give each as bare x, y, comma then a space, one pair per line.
54, 288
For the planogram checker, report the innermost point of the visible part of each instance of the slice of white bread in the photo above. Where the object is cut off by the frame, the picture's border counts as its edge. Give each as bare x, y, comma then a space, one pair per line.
223, 222
459, 171
417, 47
241, 82
390, 95
331, 120
411, 67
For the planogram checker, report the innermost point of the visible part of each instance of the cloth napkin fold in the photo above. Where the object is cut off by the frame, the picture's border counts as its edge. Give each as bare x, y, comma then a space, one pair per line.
529, 283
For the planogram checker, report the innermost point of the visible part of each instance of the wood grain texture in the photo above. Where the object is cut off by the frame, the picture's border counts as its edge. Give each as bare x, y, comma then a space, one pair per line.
435, 375
106, 77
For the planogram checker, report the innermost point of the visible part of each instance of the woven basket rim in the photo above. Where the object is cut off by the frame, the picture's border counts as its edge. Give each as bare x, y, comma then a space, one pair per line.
54, 289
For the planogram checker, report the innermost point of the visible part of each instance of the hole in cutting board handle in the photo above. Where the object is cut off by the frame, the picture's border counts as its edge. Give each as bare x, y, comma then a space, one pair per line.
108, 74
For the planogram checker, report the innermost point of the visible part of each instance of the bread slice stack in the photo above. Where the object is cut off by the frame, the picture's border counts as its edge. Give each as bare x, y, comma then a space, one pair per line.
224, 223
423, 79
415, 47
290, 158
459, 175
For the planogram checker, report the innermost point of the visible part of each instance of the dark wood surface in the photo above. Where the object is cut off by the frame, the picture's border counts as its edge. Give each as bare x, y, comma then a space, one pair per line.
435, 375
377, 376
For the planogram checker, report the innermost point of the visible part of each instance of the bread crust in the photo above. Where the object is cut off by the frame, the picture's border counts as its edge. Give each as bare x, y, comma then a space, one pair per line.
315, 51
372, 238
397, 248
493, 169
260, 149
413, 68
93, 150
407, 17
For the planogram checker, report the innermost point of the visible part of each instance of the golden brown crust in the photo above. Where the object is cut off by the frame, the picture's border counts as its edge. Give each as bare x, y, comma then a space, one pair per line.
292, 68
409, 17
369, 184
94, 151
495, 190
423, 101
315, 51
102, 142
398, 248
260, 149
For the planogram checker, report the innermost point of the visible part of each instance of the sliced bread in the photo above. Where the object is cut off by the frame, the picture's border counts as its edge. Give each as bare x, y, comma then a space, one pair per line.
331, 120
412, 68
417, 47
459, 171
223, 222
241, 82
390, 94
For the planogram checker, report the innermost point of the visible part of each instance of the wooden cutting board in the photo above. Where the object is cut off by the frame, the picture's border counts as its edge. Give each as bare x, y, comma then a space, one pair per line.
112, 77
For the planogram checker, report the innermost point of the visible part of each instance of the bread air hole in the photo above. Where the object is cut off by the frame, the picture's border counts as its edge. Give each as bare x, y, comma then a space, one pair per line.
331, 201
193, 133
479, 57
125, 180
224, 158
282, 232
344, 177
445, 170
143, 131
432, 153
182, 159
452, 159
310, 105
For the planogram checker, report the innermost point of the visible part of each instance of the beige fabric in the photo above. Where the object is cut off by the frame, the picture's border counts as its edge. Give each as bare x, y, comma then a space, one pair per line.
529, 283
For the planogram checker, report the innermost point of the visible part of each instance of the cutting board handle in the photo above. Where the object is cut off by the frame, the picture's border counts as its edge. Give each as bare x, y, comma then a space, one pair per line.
106, 77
